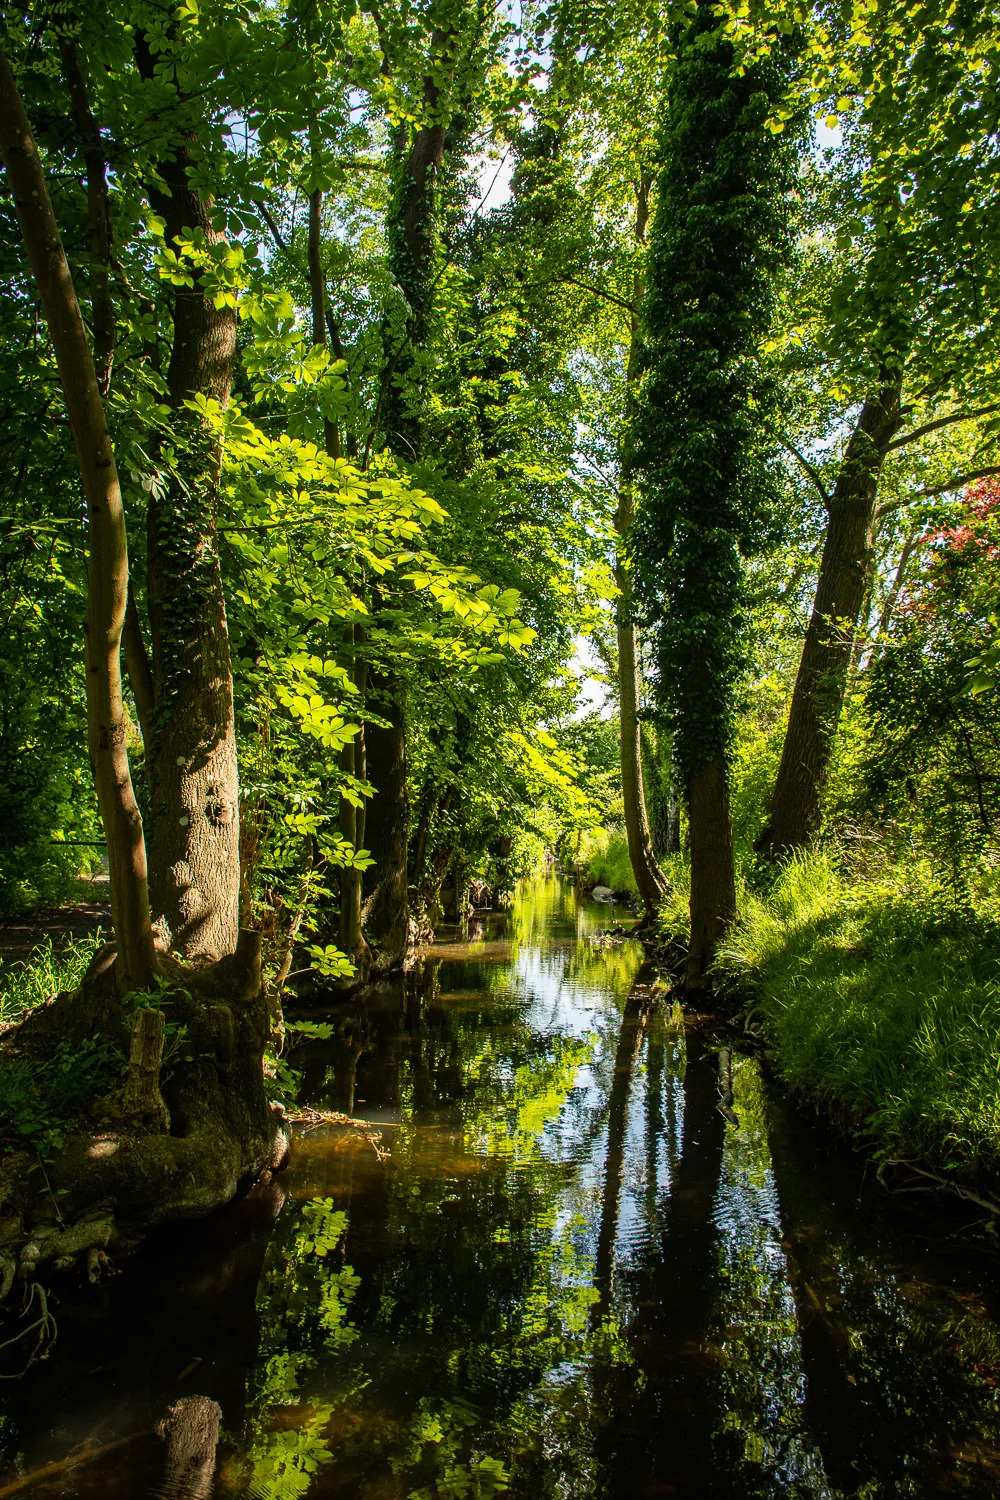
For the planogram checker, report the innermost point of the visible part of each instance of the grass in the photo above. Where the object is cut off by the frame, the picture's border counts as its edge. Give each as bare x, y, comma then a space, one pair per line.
881, 1000
27, 983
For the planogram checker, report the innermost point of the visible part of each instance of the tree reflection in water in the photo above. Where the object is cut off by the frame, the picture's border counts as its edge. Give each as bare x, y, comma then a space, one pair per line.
571, 1278
568, 1278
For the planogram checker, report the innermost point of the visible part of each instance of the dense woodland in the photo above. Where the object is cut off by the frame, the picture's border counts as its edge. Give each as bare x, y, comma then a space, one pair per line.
365, 370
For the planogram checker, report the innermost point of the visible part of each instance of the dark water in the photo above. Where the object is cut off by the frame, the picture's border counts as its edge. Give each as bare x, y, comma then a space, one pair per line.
566, 1277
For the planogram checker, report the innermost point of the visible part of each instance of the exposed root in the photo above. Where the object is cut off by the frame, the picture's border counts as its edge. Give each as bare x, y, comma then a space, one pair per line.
44, 1328
142, 1156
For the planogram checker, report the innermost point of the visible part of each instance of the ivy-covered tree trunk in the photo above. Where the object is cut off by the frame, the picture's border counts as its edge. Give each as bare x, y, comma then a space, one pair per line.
797, 803
107, 573
194, 792
699, 458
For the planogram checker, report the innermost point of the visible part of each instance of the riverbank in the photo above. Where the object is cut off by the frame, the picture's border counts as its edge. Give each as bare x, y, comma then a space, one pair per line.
878, 1000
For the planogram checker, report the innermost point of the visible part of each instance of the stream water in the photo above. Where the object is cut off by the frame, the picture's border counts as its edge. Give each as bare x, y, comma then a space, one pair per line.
558, 1273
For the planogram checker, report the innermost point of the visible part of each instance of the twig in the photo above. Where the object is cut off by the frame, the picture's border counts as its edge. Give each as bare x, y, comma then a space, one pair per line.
314, 1119
938, 1183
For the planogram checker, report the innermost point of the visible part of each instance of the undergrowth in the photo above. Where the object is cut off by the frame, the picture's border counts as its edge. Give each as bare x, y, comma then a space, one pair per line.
881, 1000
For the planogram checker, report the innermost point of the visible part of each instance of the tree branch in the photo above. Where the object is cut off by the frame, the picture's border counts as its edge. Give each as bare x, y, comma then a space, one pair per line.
961, 416
959, 481
810, 469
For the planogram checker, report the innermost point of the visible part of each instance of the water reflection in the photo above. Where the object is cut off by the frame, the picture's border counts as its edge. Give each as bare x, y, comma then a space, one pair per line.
567, 1278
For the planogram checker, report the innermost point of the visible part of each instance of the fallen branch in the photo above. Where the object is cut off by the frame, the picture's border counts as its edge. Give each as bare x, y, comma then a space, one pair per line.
71, 1461
313, 1119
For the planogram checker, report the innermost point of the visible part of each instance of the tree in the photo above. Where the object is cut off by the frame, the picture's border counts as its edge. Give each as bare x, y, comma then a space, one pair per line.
908, 327
701, 453
107, 582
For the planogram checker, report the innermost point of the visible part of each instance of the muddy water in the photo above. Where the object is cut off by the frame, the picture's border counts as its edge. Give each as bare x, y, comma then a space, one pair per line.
558, 1273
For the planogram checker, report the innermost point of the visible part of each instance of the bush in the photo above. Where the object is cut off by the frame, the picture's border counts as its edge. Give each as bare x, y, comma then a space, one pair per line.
882, 1001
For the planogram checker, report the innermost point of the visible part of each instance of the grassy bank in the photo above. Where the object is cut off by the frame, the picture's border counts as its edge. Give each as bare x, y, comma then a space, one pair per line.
608, 864
881, 1001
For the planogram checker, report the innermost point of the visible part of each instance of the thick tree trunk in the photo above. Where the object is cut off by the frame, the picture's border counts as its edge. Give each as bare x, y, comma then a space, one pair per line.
194, 793
796, 806
107, 577
385, 904
713, 880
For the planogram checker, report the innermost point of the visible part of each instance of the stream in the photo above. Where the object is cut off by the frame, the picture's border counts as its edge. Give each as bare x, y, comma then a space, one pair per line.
549, 1268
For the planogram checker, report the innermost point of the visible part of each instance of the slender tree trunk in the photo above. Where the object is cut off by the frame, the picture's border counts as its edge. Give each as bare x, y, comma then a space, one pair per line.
350, 935
107, 576
713, 881
412, 230
796, 806
648, 875
102, 310
194, 791
385, 906
649, 878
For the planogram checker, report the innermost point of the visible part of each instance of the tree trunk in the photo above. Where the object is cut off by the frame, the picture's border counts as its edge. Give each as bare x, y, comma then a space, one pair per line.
191, 1432
385, 907
796, 806
107, 574
713, 880
194, 792
648, 875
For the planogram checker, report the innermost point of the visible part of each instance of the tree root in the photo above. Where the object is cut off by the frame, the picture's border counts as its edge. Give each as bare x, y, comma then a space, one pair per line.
934, 1183
144, 1157
44, 1324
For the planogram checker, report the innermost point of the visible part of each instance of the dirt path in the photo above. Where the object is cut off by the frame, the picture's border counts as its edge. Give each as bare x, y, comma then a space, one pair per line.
21, 934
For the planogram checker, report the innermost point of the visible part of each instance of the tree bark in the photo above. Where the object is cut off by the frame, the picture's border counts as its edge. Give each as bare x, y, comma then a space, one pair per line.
796, 805
385, 903
713, 880
107, 575
194, 792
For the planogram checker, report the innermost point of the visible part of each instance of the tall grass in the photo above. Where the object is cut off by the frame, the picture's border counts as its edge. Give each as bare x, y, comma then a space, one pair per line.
27, 983
881, 1000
